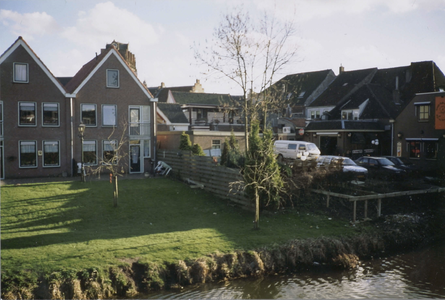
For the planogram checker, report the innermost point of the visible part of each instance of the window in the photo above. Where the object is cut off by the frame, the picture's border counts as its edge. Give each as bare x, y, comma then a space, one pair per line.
292, 146
140, 120
431, 148
89, 152
315, 114
216, 144
414, 149
146, 148
1, 119
28, 154
113, 78
27, 114
20, 73
109, 115
424, 112
109, 152
51, 154
88, 114
50, 114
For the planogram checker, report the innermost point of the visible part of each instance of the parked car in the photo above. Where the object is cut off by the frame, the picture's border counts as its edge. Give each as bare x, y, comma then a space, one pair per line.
346, 164
381, 168
296, 150
405, 164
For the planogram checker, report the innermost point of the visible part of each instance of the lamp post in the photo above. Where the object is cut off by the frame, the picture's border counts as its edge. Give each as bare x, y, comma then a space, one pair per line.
81, 129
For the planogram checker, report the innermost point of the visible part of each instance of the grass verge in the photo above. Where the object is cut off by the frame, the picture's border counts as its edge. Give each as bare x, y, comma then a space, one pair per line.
48, 227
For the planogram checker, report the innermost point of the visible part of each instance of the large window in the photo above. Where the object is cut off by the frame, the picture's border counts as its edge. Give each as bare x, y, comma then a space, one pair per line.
113, 78
51, 154
216, 144
27, 114
146, 148
90, 152
109, 152
88, 114
414, 149
109, 115
430, 149
21, 73
140, 120
28, 154
50, 114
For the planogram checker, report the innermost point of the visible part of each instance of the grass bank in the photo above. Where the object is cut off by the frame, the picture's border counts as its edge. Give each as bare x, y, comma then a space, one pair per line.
68, 236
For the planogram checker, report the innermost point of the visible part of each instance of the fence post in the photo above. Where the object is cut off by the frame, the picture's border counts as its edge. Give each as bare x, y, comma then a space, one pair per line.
355, 211
366, 209
379, 207
327, 198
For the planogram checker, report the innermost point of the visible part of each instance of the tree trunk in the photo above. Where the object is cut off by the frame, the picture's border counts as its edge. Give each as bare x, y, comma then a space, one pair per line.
116, 192
256, 222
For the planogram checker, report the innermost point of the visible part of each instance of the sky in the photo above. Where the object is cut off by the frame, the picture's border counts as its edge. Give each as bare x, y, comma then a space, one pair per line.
66, 34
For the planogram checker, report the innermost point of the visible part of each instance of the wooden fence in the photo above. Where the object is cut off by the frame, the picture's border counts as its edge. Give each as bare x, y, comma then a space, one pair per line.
205, 172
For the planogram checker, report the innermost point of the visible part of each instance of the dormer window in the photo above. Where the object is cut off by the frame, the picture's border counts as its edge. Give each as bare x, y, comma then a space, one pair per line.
301, 95
350, 114
113, 78
21, 73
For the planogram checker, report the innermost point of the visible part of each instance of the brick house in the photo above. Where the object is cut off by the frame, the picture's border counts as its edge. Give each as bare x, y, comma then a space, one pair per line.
42, 115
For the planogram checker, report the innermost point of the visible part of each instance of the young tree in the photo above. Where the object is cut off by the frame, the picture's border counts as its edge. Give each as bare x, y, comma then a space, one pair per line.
113, 160
185, 144
197, 150
261, 173
249, 53
231, 156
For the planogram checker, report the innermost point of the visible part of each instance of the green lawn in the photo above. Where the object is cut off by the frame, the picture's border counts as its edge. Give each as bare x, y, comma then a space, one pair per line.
73, 225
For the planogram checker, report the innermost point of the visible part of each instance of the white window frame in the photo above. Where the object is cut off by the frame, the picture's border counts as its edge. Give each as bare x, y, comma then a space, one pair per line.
14, 76
89, 142
115, 146
29, 142
43, 114
216, 145
143, 122
35, 114
95, 114
44, 152
118, 78
115, 115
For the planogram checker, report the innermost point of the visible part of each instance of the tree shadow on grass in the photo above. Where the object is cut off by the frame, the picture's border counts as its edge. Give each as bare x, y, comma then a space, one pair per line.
85, 212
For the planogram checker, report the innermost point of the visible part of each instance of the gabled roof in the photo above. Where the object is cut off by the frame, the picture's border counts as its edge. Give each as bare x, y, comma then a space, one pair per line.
162, 92
90, 68
297, 88
21, 42
173, 112
205, 99
343, 86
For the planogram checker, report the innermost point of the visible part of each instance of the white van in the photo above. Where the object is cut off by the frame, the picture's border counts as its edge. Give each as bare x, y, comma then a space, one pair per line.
296, 150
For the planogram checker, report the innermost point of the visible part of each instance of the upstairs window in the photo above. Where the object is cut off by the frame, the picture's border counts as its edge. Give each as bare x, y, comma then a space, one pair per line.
27, 114
88, 114
109, 115
113, 78
21, 73
422, 111
50, 112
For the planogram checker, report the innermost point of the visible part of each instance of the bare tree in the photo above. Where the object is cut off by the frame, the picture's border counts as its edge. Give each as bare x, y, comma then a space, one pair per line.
249, 53
115, 150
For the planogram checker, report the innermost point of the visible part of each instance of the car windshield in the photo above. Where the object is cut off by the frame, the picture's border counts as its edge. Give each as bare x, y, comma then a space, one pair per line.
311, 147
348, 162
386, 162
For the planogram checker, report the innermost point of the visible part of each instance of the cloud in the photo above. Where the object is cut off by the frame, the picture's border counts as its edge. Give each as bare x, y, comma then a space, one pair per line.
303, 10
29, 24
105, 22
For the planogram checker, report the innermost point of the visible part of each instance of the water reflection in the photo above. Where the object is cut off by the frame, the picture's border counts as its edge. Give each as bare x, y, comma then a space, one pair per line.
419, 274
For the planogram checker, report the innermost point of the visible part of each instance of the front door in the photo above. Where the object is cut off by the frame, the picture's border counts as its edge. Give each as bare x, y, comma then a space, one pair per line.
135, 158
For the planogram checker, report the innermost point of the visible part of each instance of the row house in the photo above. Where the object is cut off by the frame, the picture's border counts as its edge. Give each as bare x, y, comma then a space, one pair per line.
41, 114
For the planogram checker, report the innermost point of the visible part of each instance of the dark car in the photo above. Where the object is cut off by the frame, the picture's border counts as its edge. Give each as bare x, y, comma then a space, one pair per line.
346, 164
404, 164
381, 168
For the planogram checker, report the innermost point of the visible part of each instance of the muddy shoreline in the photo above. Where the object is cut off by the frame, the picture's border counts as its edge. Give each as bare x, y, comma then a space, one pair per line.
391, 234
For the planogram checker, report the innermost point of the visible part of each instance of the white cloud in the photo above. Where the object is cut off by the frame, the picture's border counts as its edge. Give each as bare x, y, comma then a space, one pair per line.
105, 22
29, 25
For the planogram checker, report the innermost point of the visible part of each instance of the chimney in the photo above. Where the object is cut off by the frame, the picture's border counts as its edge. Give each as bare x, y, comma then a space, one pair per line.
341, 69
162, 85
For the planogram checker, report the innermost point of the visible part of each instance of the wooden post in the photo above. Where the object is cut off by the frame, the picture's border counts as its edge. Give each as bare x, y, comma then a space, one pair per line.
327, 199
355, 211
366, 209
379, 207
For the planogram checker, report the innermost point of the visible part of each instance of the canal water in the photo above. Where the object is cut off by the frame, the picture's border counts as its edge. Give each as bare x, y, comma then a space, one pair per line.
415, 274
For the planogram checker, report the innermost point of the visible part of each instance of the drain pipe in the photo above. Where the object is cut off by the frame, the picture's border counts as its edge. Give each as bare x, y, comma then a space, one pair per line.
72, 136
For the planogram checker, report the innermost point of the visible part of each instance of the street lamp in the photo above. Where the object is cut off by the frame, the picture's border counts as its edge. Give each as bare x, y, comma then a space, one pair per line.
81, 129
